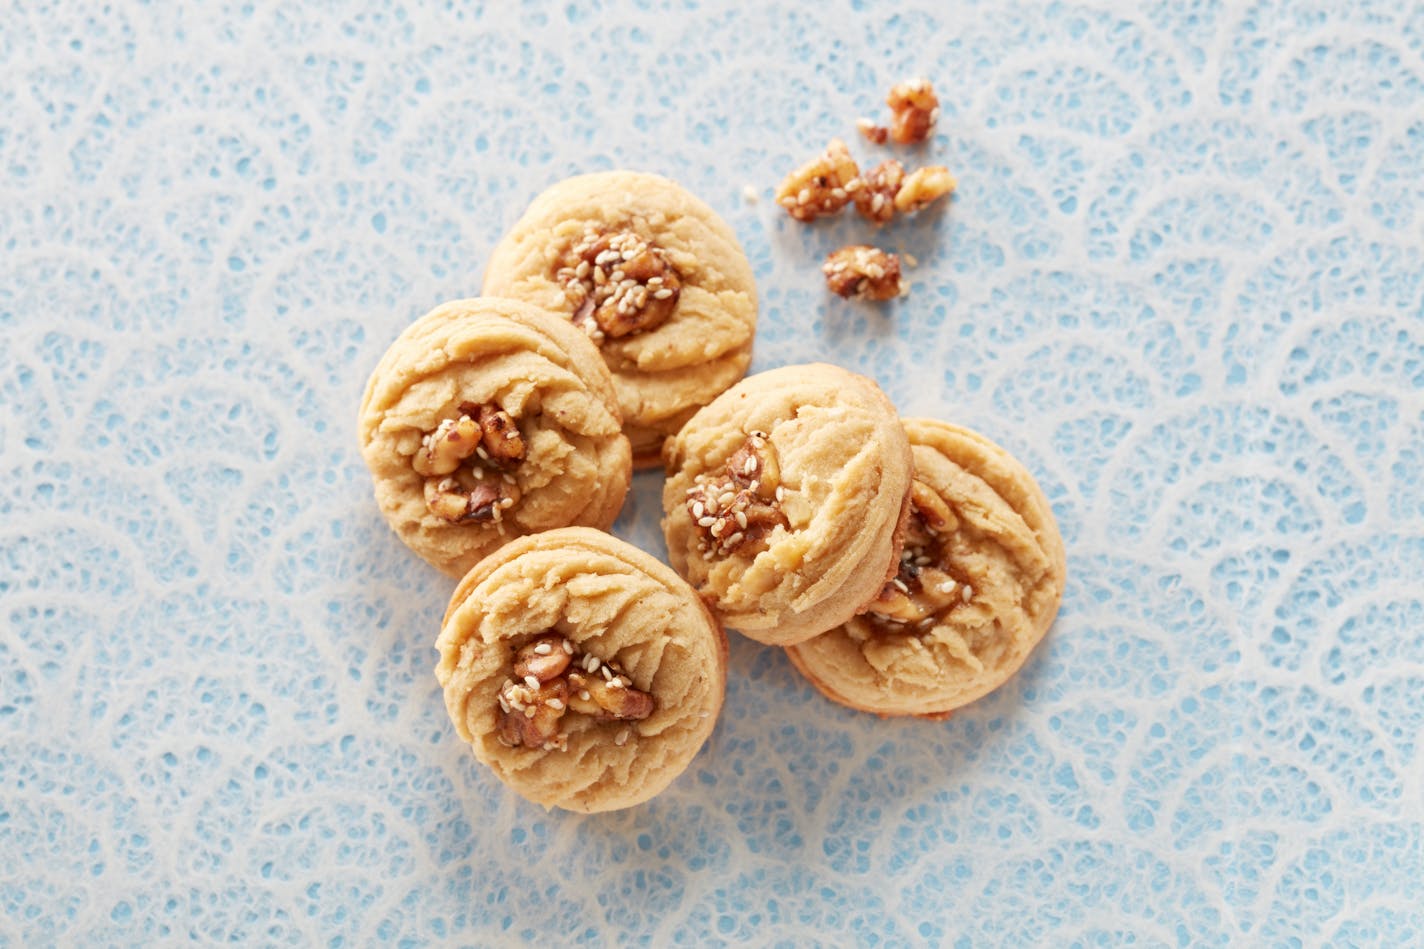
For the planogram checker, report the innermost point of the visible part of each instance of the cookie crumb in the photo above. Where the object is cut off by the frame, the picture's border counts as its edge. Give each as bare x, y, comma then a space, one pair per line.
749, 194
860, 272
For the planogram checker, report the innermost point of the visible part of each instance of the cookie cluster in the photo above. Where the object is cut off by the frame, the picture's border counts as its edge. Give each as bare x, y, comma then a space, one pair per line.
906, 566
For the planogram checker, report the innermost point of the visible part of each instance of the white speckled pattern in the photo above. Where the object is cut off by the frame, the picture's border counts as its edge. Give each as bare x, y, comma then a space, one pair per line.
1183, 281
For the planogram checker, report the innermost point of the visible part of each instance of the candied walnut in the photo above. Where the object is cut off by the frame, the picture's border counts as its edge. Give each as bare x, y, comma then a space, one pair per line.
914, 109
739, 507
923, 187
923, 585
875, 134
454, 460
876, 200
550, 680
619, 283
859, 272
821, 186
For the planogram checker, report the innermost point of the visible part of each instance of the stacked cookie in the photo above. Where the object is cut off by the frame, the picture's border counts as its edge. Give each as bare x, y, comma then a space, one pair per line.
907, 567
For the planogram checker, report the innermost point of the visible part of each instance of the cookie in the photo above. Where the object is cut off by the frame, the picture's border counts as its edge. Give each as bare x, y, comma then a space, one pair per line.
583, 672
653, 276
978, 585
784, 498
488, 419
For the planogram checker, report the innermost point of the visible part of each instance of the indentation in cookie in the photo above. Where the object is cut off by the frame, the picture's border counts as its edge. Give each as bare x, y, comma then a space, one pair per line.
924, 585
737, 508
551, 679
466, 463
618, 283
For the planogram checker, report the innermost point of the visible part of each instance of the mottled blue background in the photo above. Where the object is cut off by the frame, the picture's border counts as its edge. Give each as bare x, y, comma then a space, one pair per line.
1183, 280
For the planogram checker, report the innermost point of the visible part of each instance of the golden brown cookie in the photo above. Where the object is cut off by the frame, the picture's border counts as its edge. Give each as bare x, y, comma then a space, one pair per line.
654, 277
783, 500
488, 419
979, 583
585, 673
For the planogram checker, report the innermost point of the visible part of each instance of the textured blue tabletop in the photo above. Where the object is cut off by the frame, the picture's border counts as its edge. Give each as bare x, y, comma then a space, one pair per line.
1182, 280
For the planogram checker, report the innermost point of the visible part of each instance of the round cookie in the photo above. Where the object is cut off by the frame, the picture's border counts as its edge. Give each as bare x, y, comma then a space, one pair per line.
978, 585
785, 498
488, 419
653, 276
582, 671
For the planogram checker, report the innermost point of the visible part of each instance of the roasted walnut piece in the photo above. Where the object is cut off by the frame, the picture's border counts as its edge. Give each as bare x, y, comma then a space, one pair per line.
737, 509
914, 109
619, 283
923, 586
464, 463
886, 190
551, 678
821, 186
863, 273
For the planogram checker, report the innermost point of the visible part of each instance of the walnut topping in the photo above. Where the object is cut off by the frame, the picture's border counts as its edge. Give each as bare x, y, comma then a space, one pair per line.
738, 508
551, 678
821, 186
619, 283
464, 463
863, 273
923, 585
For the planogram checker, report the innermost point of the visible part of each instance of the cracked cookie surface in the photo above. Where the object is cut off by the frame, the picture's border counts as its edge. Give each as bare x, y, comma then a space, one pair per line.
784, 500
488, 419
978, 584
583, 672
653, 276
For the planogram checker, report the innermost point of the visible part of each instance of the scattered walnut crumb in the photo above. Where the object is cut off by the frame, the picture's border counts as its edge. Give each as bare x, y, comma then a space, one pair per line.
914, 110
821, 186
923, 187
875, 134
859, 272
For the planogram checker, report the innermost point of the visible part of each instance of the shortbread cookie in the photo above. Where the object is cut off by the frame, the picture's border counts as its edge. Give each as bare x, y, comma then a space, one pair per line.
653, 276
488, 419
784, 498
585, 673
978, 585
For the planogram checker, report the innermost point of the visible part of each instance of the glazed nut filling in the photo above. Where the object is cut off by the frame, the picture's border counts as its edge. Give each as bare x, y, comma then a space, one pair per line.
466, 463
822, 186
553, 679
923, 587
619, 284
860, 272
736, 509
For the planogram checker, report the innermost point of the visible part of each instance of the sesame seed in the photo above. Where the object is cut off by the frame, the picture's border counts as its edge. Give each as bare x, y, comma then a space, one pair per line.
922, 561
734, 540
947, 586
592, 664
662, 294
556, 704
504, 704
901, 585
750, 466
741, 520
543, 649
726, 499
749, 194
480, 450
698, 509
804, 196
583, 694
529, 711
967, 593
568, 647
622, 738
607, 673
615, 683
531, 681
479, 472
780, 494
706, 521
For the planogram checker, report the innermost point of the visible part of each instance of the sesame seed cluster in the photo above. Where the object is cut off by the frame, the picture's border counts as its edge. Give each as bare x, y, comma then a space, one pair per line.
620, 284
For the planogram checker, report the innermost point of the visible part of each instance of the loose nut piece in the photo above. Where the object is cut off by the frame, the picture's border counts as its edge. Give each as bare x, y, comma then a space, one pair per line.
822, 186
551, 678
922, 187
488, 439
914, 109
620, 284
860, 272
888, 191
739, 507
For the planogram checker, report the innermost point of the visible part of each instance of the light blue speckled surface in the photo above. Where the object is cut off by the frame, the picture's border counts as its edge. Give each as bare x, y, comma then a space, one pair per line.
1183, 280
